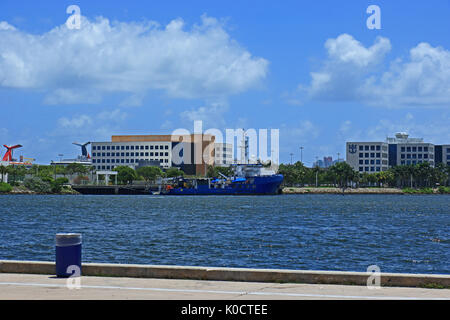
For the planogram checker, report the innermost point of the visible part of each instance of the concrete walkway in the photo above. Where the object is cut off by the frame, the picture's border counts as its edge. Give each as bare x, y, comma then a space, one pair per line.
45, 287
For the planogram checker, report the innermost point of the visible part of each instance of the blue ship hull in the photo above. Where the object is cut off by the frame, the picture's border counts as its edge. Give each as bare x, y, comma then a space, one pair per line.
259, 185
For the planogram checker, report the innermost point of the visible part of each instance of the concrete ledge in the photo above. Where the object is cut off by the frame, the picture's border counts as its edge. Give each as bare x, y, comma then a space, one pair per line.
232, 274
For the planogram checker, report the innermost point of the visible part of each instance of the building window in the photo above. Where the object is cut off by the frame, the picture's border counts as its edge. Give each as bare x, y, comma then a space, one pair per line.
146, 147
361, 148
414, 149
378, 169
361, 162
361, 155
425, 149
166, 147
425, 156
361, 168
378, 148
372, 155
378, 155
366, 168
372, 148
93, 147
419, 149
402, 156
122, 147
366, 148
367, 154
146, 154
151, 147
127, 147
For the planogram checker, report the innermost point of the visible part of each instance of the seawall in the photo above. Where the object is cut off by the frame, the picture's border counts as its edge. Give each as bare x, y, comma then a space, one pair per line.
232, 274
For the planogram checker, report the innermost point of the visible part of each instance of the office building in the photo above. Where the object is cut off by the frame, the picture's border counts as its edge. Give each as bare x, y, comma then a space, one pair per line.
368, 157
223, 155
191, 153
401, 150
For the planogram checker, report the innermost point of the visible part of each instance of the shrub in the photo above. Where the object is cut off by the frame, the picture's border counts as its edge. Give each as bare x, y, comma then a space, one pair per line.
443, 189
37, 184
5, 187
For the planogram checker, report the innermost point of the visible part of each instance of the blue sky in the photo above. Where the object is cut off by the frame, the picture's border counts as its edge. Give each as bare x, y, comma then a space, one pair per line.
311, 69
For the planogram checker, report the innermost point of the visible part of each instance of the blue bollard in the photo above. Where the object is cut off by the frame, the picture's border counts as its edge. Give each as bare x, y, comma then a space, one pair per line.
68, 253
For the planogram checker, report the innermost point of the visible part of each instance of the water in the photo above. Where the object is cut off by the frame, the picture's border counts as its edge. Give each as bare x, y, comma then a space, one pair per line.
315, 232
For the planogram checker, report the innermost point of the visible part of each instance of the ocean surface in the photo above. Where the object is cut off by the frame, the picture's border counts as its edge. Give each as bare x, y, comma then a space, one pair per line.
398, 233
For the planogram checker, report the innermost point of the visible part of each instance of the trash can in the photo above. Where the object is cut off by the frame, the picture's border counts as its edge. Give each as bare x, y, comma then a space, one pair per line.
68, 253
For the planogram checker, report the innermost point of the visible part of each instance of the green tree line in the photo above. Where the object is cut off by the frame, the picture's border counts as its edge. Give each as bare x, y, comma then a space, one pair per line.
342, 175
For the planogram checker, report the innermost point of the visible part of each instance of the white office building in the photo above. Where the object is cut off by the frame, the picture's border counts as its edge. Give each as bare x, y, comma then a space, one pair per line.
369, 157
108, 155
223, 154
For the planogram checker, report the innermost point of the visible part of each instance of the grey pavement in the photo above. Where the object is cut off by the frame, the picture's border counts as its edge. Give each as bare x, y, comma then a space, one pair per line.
45, 287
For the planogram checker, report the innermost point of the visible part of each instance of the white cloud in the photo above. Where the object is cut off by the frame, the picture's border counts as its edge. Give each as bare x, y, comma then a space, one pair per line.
211, 115
303, 132
353, 72
81, 121
73, 66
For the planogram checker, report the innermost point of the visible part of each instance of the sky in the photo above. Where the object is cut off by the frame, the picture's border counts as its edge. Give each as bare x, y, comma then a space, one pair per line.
311, 69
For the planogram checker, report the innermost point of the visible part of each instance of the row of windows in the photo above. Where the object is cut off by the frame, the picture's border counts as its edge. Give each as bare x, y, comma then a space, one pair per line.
371, 148
372, 155
415, 149
161, 147
372, 161
403, 162
372, 169
415, 156
129, 154
105, 167
126, 160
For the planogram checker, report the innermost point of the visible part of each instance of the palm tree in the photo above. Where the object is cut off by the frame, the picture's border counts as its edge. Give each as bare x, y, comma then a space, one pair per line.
3, 171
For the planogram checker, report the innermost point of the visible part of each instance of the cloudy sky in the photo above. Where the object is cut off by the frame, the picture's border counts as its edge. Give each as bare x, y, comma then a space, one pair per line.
313, 70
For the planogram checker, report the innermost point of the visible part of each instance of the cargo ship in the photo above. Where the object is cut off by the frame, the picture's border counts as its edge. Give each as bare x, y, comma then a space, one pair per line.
248, 179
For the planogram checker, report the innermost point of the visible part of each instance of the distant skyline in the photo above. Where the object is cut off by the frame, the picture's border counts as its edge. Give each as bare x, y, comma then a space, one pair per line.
313, 70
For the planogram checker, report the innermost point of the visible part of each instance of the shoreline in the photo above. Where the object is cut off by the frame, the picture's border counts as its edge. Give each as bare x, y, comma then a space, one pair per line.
285, 191
333, 190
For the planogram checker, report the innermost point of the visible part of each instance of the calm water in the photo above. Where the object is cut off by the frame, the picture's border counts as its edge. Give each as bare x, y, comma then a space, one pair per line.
323, 232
